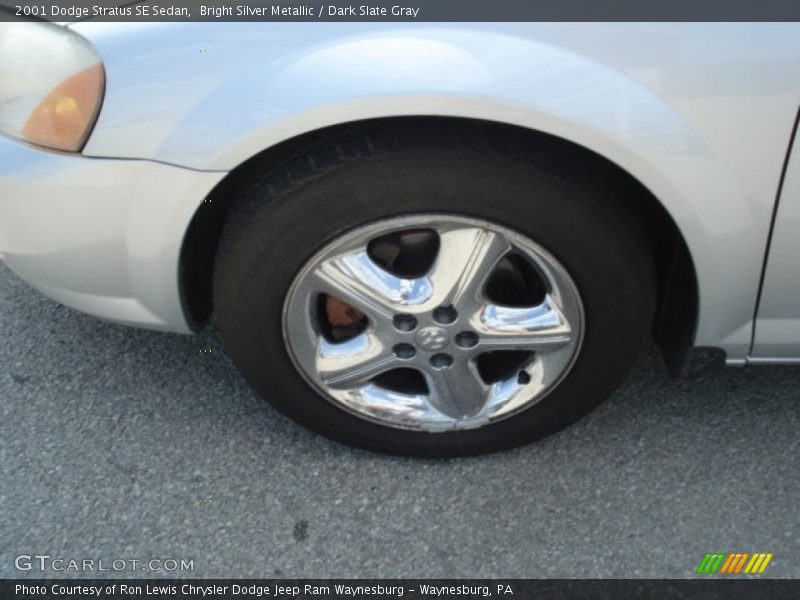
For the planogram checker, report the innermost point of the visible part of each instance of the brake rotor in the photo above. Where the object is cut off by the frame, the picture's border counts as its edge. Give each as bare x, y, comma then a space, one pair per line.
341, 314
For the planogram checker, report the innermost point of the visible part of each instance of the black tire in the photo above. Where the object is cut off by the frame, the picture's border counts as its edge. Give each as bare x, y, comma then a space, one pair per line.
287, 213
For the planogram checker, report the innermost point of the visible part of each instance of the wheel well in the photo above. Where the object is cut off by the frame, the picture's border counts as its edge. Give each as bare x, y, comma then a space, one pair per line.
677, 294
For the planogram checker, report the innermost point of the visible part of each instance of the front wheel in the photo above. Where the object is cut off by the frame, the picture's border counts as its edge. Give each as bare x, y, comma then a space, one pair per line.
431, 301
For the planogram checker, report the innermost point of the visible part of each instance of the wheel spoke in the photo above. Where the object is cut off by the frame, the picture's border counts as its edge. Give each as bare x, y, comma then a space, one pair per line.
537, 328
402, 408
456, 391
357, 280
467, 256
354, 362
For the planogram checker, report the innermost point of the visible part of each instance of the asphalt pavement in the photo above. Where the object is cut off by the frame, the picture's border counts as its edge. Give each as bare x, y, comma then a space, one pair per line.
123, 444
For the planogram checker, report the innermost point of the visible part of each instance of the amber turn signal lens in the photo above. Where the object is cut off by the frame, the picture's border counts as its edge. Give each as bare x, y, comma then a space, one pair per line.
65, 117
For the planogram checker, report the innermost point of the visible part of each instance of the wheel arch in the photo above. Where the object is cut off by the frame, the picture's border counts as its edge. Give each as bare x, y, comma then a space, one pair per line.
677, 295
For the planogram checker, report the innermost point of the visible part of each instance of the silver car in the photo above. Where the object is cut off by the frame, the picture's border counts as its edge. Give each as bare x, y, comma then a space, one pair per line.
427, 239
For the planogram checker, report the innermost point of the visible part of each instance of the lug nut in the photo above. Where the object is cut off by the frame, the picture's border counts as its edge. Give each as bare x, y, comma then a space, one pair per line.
444, 315
405, 322
466, 339
404, 350
441, 361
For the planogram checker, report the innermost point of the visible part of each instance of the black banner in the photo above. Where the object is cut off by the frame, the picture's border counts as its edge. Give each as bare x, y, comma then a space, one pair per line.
321, 589
402, 10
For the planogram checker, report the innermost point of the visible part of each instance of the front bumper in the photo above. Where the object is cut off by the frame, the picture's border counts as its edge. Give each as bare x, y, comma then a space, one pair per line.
102, 236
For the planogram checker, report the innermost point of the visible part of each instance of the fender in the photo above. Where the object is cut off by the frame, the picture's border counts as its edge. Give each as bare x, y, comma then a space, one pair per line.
704, 129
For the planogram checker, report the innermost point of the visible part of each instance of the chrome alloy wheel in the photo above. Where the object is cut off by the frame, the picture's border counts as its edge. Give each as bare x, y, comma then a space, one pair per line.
433, 322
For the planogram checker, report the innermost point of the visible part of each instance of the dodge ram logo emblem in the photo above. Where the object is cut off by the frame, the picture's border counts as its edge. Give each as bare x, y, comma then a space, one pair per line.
432, 338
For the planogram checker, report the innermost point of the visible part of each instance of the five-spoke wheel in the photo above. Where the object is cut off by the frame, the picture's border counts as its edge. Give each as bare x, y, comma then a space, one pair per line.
425, 287
453, 322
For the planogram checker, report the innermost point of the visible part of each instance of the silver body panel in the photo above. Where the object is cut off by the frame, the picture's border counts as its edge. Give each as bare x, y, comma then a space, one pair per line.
700, 113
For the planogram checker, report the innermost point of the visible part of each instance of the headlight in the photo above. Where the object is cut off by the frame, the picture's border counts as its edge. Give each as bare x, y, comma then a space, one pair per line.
51, 85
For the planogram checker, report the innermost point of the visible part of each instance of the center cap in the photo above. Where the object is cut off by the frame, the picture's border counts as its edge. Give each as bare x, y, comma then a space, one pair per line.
432, 338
